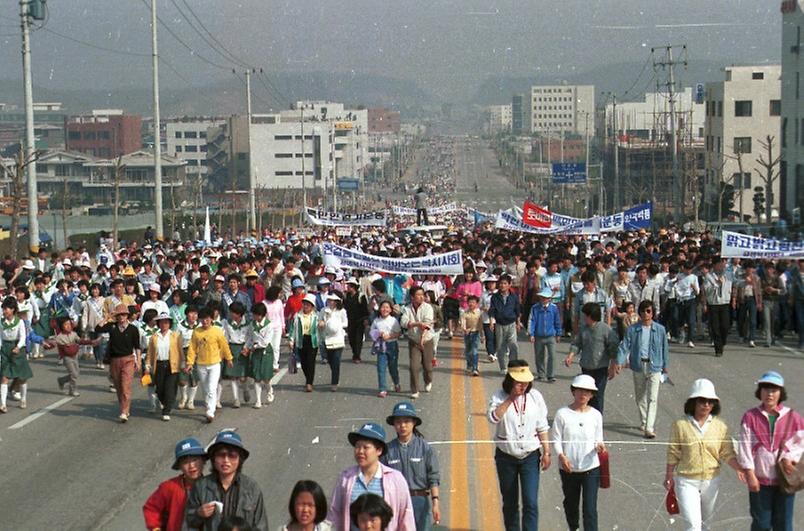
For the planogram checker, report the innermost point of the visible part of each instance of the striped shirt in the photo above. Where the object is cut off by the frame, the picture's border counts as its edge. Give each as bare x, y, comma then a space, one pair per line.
374, 486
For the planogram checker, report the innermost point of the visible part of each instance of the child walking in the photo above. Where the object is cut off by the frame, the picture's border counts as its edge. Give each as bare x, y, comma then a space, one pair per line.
13, 362
68, 344
385, 331
472, 328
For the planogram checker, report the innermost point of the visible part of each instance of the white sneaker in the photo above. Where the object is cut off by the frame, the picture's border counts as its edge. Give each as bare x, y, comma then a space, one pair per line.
298, 365
182, 403
428, 387
414, 395
16, 396
23, 404
257, 405
218, 405
236, 403
492, 358
269, 397
752, 344
190, 405
123, 418
166, 417
691, 344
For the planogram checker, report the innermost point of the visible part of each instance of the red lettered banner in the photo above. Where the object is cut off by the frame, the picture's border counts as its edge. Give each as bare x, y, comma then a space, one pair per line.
536, 216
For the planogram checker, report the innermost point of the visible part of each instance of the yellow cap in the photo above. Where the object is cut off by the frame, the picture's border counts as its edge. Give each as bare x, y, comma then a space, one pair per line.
521, 374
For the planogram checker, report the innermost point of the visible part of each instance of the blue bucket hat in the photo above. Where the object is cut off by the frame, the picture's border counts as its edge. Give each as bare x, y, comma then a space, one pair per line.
547, 293
404, 409
296, 283
771, 378
228, 438
369, 430
187, 447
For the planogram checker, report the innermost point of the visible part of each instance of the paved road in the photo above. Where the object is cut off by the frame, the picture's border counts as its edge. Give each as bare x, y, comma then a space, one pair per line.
75, 467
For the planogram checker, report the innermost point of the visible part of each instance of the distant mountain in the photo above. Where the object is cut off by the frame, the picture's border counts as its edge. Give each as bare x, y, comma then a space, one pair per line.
617, 78
228, 97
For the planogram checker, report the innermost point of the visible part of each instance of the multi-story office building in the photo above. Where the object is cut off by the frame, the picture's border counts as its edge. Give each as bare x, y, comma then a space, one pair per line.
791, 179
562, 109
105, 133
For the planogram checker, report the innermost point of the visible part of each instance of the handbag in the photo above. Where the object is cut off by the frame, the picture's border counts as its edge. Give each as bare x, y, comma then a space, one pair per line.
790, 483
292, 362
671, 502
605, 476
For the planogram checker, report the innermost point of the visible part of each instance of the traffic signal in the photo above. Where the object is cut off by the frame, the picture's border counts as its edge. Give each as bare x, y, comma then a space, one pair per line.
37, 9
759, 202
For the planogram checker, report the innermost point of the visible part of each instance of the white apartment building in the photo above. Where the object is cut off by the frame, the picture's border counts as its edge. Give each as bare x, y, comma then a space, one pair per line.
741, 112
186, 139
650, 119
497, 119
792, 109
562, 108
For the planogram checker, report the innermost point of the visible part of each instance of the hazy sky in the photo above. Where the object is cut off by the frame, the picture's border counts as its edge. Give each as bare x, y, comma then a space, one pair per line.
447, 45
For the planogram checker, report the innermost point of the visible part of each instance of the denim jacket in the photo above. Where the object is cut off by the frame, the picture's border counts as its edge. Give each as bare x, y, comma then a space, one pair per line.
658, 347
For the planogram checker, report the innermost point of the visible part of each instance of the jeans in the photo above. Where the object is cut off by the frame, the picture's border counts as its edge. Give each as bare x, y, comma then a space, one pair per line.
748, 319
471, 341
208, 376
545, 347
421, 214
686, 315
646, 394
696, 501
770, 320
334, 359
388, 361
421, 512
98, 350
506, 344
771, 509
491, 345
573, 485
719, 323
515, 475
601, 377
670, 317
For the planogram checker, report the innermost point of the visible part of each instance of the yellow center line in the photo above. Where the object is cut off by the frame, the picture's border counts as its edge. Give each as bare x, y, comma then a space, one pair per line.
487, 488
457, 482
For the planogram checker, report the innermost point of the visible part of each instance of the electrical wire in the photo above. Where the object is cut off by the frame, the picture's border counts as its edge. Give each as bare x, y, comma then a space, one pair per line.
209, 43
642, 71
254, 95
274, 94
234, 58
192, 51
95, 46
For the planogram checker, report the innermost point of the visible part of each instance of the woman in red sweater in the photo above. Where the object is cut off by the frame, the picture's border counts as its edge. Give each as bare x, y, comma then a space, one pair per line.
164, 509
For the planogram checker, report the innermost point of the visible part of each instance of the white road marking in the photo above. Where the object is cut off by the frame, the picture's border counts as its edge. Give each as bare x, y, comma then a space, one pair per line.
278, 376
794, 351
30, 418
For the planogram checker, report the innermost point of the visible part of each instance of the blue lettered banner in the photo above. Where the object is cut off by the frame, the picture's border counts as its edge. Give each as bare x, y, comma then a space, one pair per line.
638, 217
438, 264
736, 245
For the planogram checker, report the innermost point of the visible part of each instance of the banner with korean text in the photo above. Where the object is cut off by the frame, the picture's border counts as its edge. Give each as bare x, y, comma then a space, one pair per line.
736, 245
536, 216
432, 211
334, 219
438, 264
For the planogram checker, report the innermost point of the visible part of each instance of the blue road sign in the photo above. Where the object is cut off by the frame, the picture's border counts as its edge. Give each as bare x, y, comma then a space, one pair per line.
569, 173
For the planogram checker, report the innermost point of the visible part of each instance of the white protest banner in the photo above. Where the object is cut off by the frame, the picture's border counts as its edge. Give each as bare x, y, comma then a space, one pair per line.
334, 219
343, 231
508, 220
432, 211
736, 245
439, 264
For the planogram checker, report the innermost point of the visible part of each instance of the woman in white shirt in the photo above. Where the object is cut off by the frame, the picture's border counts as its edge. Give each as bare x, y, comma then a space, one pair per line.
385, 332
332, 321
519, 412
577, 436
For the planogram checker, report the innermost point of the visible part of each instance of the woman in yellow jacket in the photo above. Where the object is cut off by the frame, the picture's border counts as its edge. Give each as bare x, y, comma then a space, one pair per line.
162, 362
699, 443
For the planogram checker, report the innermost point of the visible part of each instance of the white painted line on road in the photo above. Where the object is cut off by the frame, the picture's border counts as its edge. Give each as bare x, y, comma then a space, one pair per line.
794, 351
30, 418
278, 376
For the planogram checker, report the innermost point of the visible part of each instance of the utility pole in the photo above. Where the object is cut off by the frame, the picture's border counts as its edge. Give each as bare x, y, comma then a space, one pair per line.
30, 142
334, 172
669, 63
252, 218
157, 129
304, 176
616, 201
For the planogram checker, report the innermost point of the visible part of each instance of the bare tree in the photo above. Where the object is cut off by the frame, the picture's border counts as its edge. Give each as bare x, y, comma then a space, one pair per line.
16, 179
119, 170
771, 172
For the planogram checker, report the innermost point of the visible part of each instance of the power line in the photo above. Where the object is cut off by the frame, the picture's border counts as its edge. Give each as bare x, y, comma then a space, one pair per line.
644, 67
274, 94
95, 46
200, 34
243, 81
187, 46
234, 58
280, 96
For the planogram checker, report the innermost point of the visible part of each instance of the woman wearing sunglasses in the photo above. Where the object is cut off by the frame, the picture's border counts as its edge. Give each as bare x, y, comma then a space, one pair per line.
699, 443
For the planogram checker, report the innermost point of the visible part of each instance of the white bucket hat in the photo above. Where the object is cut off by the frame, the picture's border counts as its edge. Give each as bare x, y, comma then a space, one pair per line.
584, 381
703, 388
